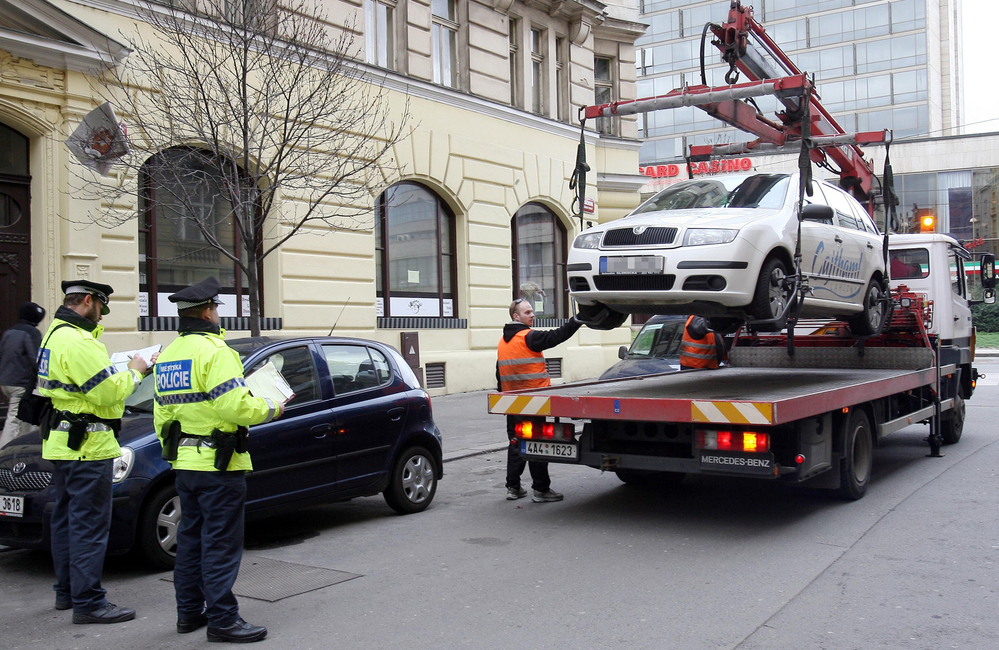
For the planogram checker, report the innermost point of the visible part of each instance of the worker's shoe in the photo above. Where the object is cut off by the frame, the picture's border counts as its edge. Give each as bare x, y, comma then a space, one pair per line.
185, 625
110, 613
512, 494
238, 632
63, 603
544, 496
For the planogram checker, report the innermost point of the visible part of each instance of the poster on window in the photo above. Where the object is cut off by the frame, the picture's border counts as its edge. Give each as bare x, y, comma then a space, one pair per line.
379, 307
246, 305
143, 304
402, 307
448, 308
166, 308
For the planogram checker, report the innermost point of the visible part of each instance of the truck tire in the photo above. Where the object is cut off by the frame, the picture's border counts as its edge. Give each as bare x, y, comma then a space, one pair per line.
867, 322
952, 422
157, 534
858, 457
770, 297
598, 317
640, 478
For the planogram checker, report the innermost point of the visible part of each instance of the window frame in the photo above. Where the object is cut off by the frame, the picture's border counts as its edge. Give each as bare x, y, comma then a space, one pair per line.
605, 125
266, 356
561, 240
323, 346
383, 253
372, 42
439, 25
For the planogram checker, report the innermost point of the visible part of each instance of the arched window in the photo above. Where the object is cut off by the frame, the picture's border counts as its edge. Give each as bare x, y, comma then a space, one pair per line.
414, 252
181, 192
539, 254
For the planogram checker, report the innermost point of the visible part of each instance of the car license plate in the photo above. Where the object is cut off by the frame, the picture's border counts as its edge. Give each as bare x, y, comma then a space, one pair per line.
11, 506
635, 264
722, 461
552, 449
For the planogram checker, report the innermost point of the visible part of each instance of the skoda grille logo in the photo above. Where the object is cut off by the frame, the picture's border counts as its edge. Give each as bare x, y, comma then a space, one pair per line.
638, 230
20, 467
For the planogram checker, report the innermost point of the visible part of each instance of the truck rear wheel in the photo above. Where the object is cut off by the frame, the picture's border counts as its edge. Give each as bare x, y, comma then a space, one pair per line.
858, 457
952, 422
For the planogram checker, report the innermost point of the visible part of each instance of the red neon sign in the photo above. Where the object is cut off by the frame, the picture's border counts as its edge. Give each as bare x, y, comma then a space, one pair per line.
712, 167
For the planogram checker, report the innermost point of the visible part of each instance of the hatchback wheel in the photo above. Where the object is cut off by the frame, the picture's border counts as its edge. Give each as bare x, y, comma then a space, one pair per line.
413, 483
867, 322
771, 295
158, 528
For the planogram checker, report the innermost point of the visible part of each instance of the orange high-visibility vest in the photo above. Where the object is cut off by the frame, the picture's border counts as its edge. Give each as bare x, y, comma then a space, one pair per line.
698, 353
521, 367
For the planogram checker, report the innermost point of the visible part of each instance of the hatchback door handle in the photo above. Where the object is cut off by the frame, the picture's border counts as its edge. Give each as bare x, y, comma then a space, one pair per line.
838, 239
396, 414
321, 430
870, 245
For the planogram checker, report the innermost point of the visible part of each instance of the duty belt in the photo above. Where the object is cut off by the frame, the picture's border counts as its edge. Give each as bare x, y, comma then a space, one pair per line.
91, 426
196, 441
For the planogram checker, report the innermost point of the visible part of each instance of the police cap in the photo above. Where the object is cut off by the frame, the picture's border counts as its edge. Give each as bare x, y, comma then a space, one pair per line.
202, 293
95, 289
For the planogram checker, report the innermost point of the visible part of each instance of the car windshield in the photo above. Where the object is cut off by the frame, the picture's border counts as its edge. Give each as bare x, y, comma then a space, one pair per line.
761, 191
656, 340
141, 401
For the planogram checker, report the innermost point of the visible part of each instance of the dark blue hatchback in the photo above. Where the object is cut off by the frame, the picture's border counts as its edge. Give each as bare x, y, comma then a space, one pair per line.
655, 349
358, 425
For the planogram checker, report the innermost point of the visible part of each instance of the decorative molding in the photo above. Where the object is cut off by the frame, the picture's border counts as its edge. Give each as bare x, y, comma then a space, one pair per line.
12, 260
421, 323
621, 182
579, 31
502, 6
230, 323
82, 272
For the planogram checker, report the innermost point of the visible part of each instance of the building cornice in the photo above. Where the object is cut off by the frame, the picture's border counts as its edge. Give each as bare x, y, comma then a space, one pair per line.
83, 49
621, 182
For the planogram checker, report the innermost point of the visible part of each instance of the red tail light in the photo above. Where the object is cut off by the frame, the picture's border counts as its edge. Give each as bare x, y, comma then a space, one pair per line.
748, 441
547, 431
524, 429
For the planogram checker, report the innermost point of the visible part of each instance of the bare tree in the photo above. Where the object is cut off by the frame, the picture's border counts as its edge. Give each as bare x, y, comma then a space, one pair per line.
246, 116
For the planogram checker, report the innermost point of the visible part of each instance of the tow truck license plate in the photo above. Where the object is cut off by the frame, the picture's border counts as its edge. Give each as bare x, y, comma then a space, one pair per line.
635, 264
11, 506
553, 449
727, 461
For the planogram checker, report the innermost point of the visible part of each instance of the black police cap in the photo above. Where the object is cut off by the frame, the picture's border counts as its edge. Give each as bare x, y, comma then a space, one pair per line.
198, 294
100, 291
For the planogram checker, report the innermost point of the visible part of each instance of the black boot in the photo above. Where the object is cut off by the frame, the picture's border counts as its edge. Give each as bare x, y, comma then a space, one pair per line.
238, 632
185, 625
110, 613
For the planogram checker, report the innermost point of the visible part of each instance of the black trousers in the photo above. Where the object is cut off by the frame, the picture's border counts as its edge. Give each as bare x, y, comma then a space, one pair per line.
79, 528
515, 464
209, 544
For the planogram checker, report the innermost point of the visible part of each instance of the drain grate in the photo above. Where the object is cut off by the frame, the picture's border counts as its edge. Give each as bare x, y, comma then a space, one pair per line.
262, 578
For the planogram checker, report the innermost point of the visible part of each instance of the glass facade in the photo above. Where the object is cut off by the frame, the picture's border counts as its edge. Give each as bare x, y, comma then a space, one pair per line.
869, 58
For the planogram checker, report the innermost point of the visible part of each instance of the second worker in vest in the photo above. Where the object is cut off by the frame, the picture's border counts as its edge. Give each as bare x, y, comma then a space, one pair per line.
202, 412
521, 365
701, 346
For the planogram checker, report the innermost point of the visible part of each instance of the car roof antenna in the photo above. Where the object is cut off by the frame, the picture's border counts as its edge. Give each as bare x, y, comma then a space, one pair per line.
338, 317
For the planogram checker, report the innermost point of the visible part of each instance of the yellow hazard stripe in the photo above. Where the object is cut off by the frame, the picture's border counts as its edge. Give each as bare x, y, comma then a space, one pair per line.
520, 404
732, 412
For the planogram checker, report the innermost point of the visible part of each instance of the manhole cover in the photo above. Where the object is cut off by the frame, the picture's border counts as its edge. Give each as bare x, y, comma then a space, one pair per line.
262, 578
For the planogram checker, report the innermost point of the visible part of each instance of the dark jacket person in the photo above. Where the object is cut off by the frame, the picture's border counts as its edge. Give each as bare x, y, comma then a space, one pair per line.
18, 369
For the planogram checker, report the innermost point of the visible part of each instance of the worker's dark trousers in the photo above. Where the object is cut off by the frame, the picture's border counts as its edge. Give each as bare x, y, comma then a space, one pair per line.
515, 464
209, 544
81, 521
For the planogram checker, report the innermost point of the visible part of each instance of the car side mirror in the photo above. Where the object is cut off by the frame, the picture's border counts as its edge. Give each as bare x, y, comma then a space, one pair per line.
622, 352
989, 296
988, 270
817, 212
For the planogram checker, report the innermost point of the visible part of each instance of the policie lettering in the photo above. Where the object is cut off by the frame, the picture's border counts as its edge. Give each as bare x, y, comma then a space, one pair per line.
173, 376
43, 362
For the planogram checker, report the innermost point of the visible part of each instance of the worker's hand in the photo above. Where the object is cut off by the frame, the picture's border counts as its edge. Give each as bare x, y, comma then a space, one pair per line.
138, 363
152, 359
280, 410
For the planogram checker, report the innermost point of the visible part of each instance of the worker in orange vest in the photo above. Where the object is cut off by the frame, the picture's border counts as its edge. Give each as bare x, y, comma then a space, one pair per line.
701, 347
521, 365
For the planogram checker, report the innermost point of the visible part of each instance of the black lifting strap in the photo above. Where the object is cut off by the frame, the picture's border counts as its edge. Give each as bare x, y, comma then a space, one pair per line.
578, 180
890, 201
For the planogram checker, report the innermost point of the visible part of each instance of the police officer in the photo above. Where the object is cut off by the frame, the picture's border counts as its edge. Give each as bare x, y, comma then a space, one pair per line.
701, 347
79, 437
202, 412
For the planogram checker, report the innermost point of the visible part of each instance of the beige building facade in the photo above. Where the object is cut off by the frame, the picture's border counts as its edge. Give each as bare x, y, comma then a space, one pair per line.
480, 214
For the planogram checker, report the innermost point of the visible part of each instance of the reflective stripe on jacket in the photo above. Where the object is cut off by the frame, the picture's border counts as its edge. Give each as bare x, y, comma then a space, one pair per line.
75, 372
698, 353
519, 366
199, 383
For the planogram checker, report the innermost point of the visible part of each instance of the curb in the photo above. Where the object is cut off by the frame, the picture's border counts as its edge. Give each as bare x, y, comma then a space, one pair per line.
468, 453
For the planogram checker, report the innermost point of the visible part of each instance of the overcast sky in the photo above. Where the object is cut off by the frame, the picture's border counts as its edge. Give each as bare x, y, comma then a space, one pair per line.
981, 66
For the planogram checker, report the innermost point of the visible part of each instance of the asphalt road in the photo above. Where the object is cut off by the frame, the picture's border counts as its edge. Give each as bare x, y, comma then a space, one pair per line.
715, 563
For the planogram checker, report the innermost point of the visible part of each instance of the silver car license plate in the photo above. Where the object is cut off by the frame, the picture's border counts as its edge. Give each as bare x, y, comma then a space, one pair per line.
634, 264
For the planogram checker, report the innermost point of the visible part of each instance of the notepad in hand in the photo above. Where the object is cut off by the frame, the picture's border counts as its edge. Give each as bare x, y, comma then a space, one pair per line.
120, 359
267, 381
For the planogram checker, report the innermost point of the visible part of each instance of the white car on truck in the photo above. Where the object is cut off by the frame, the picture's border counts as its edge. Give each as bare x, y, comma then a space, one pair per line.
722, 246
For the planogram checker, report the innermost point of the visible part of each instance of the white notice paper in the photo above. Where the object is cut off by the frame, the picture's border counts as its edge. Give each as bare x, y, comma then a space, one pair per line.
120, 359
267, 381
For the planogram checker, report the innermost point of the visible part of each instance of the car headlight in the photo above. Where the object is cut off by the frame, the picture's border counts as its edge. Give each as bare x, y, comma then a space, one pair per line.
122, 465
588, 240
704, 236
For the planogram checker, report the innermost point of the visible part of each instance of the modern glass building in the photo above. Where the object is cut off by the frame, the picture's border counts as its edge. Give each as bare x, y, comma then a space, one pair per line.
877, 63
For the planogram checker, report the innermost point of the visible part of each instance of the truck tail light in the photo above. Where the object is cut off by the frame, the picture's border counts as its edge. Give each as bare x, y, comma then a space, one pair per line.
547, 431
752, 442
531, 430
524, 429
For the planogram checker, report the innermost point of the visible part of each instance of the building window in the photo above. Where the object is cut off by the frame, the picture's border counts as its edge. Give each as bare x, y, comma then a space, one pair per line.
537, 71
445, 42
379, 26
561, 79
514, 62
603, 91
539, 252
415, 253
180, 199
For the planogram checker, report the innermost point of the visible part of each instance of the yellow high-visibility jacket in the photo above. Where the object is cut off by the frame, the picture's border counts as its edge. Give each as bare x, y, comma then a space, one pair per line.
199, 383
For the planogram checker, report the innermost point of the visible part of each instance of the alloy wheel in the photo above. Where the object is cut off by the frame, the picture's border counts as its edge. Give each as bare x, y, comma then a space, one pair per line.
417, 478
167, 522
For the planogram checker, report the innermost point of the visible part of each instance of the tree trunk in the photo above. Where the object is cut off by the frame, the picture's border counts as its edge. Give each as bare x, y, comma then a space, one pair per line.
254, 290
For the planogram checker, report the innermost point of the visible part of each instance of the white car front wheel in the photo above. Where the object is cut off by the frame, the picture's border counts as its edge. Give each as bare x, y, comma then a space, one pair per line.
771, 295
867, 322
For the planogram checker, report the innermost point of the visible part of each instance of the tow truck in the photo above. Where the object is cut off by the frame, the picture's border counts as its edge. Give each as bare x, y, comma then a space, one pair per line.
807, 409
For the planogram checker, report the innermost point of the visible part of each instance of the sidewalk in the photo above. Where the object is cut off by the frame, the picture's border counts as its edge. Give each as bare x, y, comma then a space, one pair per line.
467, 428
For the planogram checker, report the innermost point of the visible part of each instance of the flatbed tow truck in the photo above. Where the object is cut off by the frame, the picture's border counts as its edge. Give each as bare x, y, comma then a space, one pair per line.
807, 409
